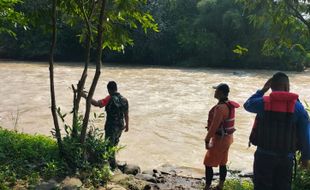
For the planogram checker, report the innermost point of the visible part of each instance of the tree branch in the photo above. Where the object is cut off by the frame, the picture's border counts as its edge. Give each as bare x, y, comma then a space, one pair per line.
297, 14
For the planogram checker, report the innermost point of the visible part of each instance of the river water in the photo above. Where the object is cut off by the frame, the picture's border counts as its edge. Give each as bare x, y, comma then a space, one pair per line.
168, 107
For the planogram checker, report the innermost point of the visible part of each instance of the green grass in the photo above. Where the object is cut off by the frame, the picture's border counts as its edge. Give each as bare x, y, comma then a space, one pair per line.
237, 184
20, 147
26, 157
29, 159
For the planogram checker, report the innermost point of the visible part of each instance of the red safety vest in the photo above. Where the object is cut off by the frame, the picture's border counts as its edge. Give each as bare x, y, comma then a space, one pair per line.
275, 130
227, 127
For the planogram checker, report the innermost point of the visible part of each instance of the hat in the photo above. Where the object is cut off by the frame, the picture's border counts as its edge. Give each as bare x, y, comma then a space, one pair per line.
222, 87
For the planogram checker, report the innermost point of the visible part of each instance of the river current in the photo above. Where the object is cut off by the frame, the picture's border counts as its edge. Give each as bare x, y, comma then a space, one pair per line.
168, 107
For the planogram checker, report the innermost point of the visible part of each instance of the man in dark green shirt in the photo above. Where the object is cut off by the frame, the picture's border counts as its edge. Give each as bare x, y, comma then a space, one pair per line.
117, 119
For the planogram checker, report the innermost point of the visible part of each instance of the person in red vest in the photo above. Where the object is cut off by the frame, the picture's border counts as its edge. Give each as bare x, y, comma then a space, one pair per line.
220, 127
117, 119
281, 127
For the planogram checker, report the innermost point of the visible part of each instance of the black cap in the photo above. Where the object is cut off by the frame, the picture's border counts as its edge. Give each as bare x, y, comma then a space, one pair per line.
222, 87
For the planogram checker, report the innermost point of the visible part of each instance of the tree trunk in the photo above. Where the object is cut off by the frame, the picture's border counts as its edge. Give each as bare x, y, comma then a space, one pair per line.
80, 87
81, 83
51, 71
97, 73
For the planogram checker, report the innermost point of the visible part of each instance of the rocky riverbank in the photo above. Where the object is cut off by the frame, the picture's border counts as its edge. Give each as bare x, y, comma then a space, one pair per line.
130, 177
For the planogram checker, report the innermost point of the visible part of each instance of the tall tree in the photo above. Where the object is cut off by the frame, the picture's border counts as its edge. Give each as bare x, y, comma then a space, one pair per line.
98, 70
288, 23
279, 11
114, 21
51, 72
81, 10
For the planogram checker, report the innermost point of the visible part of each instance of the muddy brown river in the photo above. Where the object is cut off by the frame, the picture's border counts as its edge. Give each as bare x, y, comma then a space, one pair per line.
168, 107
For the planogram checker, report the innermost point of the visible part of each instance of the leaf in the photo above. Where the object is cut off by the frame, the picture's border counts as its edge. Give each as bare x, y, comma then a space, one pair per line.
240, 50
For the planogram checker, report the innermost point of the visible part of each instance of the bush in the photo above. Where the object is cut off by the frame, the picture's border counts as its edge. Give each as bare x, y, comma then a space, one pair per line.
90, 158
302, 179
31, 158
24, 153
95, 151
25, 157
237, 184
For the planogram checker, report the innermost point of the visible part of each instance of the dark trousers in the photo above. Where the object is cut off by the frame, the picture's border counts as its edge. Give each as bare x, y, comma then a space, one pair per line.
209, 174
272, 172
113, 135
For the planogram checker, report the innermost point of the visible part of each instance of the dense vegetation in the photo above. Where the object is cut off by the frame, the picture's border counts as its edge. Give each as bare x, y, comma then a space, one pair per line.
23, 156
28, 159
215, 33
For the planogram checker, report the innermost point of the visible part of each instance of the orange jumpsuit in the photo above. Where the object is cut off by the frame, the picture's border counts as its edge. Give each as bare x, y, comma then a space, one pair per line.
218, 154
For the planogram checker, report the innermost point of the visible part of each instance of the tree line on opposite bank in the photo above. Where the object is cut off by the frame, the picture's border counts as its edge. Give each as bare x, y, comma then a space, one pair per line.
196, 33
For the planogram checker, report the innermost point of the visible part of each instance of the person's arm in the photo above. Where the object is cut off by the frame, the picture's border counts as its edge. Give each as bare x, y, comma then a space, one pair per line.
126, 115
255, 103
303, 130
99, 103
127, 122
216, 121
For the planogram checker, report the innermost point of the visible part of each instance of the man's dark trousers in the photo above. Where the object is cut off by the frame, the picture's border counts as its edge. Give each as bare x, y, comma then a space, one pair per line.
113, 134
272, 171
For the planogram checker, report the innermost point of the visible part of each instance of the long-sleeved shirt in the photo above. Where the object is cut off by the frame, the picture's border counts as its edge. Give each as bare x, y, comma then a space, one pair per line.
255, 104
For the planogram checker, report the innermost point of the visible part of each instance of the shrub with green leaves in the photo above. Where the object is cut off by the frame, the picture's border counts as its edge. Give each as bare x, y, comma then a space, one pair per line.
301, 181
237, 184
25, 157
26, 152
90, 158
32, 158
100, 175
95, 151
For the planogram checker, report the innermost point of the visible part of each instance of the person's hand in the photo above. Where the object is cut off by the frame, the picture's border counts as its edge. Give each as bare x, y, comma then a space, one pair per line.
83, 94
267, 85
208, 145
126, 128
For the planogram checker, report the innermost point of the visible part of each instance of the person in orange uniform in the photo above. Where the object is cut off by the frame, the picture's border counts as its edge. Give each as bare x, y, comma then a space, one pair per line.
220, 127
